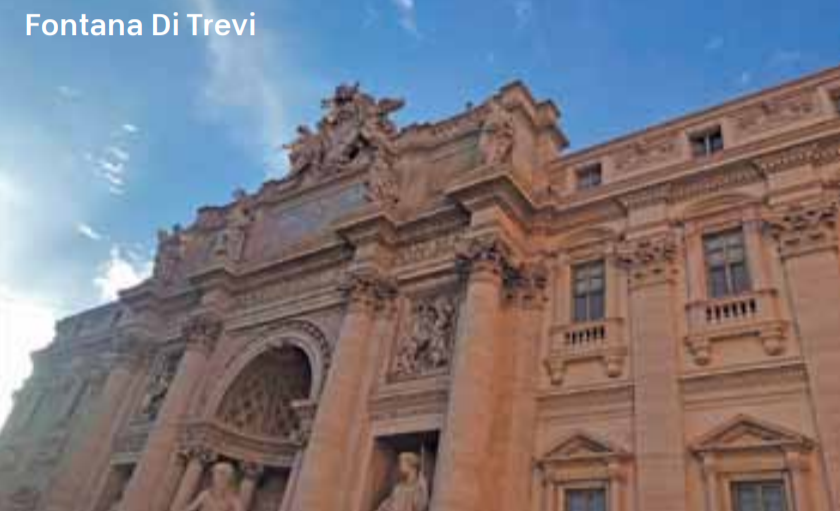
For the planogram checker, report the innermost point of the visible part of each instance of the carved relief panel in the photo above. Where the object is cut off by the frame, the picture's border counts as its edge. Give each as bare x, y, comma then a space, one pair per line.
426, 336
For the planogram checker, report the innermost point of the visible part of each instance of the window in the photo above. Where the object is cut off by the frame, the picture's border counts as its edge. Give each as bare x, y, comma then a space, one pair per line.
706, 143
586, 499
759, 496
726, 263
588, 292
589, 176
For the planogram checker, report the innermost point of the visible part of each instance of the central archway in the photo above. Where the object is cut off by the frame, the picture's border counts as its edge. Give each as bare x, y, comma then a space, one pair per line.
259, 401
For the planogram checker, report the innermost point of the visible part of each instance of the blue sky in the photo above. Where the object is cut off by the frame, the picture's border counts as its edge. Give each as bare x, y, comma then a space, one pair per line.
105, 139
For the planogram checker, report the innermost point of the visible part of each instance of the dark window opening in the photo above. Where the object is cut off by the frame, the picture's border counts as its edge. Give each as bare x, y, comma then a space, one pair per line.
706, 143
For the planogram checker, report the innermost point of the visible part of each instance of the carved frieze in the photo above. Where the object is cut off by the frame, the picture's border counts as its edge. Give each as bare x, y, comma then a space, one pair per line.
648, 153
425, 345
429, 248
777, 112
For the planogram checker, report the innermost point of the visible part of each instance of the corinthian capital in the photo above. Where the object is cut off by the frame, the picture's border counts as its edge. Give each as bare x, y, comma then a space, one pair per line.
484, 254
202, 331
649, 259
803, 228
367, 289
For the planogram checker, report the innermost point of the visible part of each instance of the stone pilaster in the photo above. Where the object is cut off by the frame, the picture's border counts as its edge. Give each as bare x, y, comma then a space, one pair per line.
318, 485
808, 245
201, 333
660, 450
77, 480
529, 300
462, 470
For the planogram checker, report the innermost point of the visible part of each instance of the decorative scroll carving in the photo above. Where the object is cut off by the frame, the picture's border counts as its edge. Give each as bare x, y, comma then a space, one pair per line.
497, 135
355, 133
203, 331
427, 345
650, 259
801, 229
158, 385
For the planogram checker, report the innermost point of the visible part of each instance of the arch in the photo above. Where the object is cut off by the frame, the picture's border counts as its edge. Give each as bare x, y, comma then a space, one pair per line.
300, 334
260, 401
716, 204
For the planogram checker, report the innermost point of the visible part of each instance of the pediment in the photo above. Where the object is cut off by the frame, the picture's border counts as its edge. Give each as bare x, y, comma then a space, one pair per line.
582, 446
746, 433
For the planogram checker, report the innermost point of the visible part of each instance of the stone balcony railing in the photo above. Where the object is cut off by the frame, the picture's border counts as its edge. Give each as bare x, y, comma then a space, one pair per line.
753, 313
592, 340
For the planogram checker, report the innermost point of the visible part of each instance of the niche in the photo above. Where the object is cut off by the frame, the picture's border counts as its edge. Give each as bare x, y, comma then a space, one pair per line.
385, 463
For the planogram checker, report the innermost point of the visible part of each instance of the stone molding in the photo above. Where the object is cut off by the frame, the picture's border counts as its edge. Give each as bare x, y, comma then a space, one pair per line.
484, 256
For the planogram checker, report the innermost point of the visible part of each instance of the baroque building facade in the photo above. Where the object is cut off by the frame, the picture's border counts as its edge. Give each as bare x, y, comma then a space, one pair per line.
459, 316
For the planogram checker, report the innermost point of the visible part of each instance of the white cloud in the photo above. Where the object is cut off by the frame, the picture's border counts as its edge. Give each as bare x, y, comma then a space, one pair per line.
122, 270
26, 324
715, 43
407, 16
745, 78
130, 128
88, 232
523, 11
67, 93
239, 86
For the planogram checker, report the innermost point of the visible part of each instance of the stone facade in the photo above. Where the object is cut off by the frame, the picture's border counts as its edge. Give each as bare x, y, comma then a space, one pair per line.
458, 316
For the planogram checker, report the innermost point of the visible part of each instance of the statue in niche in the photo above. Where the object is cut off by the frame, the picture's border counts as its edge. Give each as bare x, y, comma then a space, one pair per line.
497, 134
411, 493
429, 345
170, 254
222, 494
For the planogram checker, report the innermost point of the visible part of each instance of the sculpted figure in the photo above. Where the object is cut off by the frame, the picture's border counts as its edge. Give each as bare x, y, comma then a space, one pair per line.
229, 242
306, 151
411, 493
169, 254
497, 135
221, 496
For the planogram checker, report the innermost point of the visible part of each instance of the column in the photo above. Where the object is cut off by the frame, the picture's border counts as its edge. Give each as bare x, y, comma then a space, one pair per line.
197, 459
660, 453
318, 485
463, 452
251, 473
200, 333
710, 478
79, 475
808, 246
